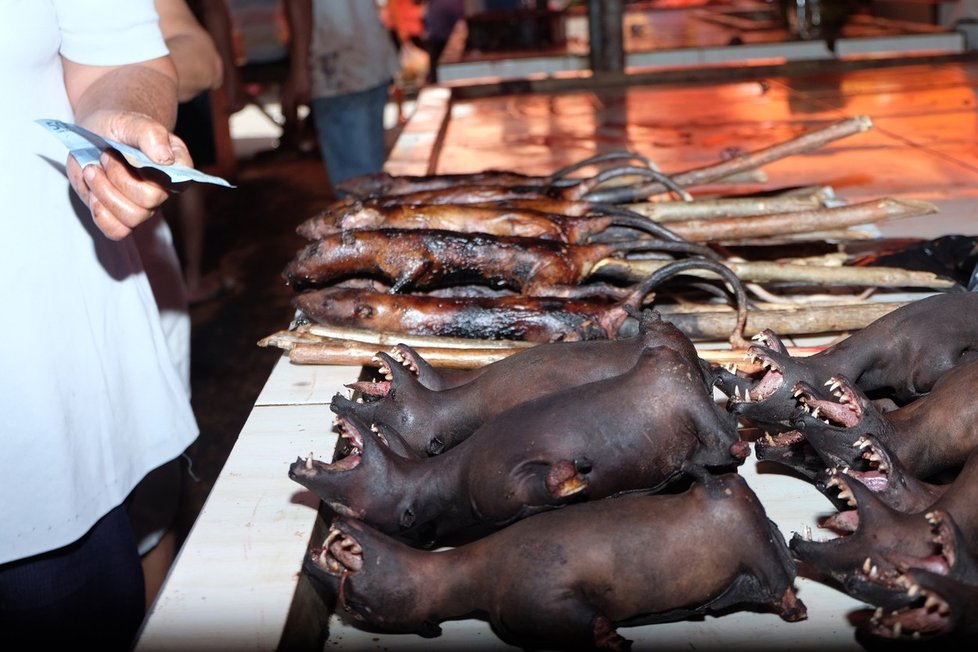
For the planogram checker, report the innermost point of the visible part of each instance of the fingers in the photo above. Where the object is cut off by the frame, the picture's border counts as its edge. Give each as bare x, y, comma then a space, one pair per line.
118, 198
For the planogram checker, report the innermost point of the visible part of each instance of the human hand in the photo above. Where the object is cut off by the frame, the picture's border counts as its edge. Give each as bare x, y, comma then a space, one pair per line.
115, 193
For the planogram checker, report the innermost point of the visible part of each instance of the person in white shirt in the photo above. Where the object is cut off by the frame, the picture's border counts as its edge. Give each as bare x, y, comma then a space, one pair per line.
90, 397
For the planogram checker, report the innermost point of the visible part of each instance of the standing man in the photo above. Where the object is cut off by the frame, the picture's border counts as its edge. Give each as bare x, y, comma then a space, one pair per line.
342, 63
90, 397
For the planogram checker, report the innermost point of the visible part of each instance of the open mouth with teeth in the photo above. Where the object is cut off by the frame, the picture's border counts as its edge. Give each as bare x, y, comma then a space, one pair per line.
771, 380
381, 386
348, 455
926, 613
844, 412
341, 556
927, 616
875, 475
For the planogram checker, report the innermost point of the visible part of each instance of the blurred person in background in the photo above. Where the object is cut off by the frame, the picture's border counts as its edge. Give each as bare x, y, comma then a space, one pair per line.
199, 35
342, 63
440, 19
96, 401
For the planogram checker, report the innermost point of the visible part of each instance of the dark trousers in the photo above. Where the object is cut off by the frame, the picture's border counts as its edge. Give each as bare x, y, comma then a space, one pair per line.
88, 592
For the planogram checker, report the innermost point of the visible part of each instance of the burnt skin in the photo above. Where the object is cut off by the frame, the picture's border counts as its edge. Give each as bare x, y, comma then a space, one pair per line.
387, 186
431, 422
504, 221
631, 432
545, 581
533, 319
426, 259
900, 356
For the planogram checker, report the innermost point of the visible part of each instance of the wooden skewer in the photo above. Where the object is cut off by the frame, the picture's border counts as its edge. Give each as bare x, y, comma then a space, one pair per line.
705, 209
337, 352
735, 228
773, 272
305, 347
803, 143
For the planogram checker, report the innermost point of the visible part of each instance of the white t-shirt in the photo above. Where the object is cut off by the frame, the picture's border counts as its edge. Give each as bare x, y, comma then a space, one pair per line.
90, 400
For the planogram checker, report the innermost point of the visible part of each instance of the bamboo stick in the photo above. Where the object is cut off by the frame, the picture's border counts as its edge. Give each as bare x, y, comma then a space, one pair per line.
304, 347
736, 228
705, 209
773, 272
339, 352
709, 173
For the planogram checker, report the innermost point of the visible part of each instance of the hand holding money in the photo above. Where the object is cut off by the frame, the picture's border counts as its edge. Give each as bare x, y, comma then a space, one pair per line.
124, 181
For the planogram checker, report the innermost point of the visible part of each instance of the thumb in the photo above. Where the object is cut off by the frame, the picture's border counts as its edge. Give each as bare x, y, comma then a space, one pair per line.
146, 134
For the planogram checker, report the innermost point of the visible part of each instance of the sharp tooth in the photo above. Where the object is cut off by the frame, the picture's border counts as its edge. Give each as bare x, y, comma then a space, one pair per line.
769, 438
879, 611
874, 572
931, 518
374, 428
866, 566
797, 392
737, 393
309, 461
944, 609
915, 636
808, 533
333, 533
897, 629
816, 411
913, 590
758, 338
747, 396
359, 399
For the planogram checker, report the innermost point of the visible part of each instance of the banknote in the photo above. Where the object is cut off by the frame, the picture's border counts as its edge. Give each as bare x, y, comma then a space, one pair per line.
86, 147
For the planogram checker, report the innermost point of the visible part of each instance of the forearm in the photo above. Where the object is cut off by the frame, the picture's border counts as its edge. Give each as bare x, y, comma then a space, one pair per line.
148, 88
198, 65
298, 14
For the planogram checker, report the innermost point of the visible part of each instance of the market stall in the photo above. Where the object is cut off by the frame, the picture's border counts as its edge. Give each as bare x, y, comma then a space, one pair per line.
237, 581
